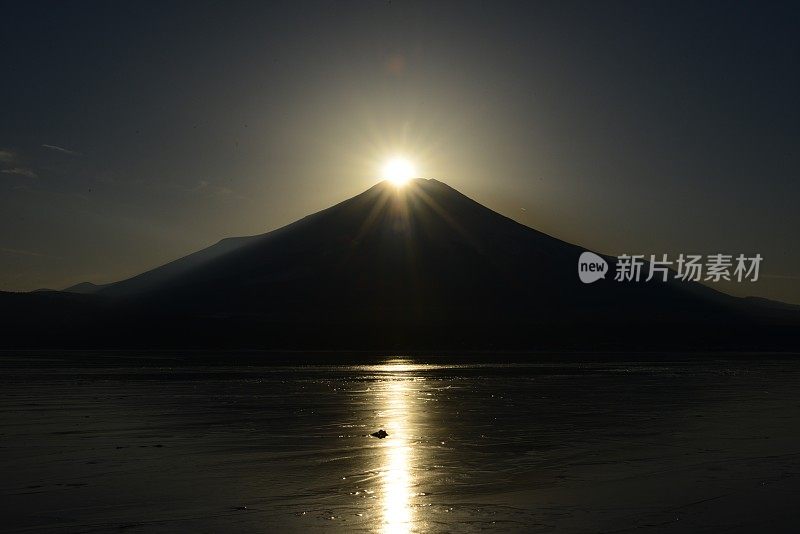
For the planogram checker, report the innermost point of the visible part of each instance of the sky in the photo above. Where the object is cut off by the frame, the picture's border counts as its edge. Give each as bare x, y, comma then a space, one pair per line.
135, 133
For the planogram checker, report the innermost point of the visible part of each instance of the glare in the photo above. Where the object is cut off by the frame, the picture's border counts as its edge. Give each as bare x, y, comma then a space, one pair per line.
398, 171
396, 472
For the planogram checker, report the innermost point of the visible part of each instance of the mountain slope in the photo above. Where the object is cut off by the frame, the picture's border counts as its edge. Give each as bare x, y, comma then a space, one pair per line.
422, 266
424, 252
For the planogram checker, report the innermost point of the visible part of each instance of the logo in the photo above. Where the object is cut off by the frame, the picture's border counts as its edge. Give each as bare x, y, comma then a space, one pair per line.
591, 267
685, 268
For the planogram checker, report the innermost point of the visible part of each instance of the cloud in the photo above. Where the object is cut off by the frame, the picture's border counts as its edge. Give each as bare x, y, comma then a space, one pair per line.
782, 276
204, 186
7, 155
22, 252
61, 149
21, 171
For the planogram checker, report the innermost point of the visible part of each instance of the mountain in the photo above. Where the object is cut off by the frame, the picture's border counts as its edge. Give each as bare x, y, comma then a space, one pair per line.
417, 267
84, 288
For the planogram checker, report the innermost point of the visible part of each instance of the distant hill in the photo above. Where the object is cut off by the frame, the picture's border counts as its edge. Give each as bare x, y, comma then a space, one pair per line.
422, 267
85, 288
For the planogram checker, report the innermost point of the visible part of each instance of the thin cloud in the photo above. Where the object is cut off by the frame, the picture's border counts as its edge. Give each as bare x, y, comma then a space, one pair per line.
7, 155
782, 276
202, 188
21, 171
205, 187
22, 252
61, 149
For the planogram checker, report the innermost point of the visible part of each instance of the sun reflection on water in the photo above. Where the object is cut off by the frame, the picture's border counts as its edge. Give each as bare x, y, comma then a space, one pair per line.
396, 474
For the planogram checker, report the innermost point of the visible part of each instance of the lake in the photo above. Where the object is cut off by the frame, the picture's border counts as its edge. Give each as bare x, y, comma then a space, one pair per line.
540, 443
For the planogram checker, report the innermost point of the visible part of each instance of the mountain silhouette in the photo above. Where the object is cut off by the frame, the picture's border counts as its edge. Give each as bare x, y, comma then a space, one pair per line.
417, 267
84, 288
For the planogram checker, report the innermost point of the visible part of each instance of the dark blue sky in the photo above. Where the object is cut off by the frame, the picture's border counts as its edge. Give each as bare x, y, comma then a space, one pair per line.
134, 133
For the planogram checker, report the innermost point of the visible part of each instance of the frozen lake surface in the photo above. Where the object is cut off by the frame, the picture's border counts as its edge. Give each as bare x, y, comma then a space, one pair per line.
571, 443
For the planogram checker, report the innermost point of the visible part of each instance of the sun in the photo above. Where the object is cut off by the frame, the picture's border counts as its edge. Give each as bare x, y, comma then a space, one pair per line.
398, 171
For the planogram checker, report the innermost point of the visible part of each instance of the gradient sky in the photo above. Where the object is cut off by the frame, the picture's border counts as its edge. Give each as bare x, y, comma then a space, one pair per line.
132, 133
